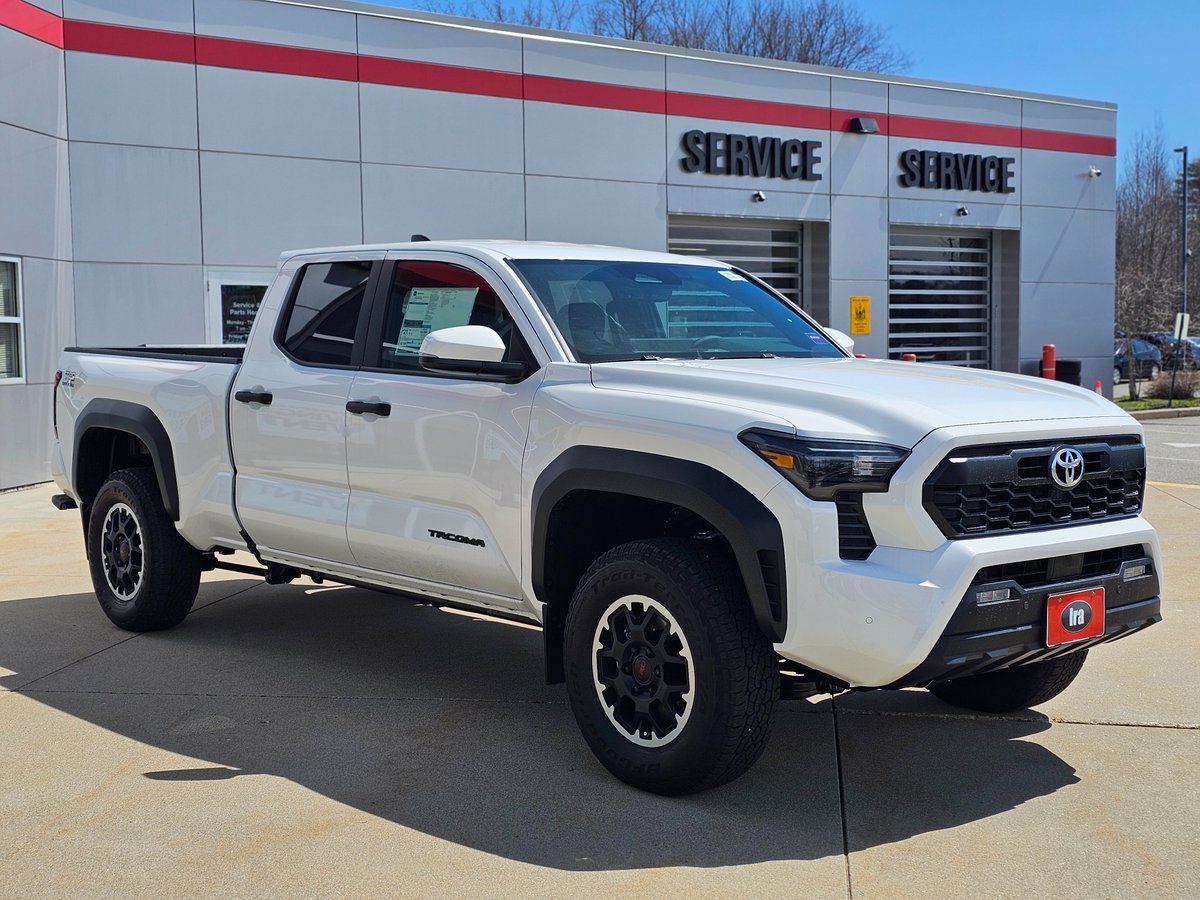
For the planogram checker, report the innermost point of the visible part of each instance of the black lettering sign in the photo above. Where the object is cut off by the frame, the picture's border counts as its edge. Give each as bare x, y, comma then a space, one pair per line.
956, 171
239, 304
719, 153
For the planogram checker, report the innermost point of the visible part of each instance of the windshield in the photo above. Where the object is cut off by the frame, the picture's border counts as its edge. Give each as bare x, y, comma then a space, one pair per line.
609, 311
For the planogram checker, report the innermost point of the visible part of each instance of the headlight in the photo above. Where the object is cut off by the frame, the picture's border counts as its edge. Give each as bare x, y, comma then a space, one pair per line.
822, 468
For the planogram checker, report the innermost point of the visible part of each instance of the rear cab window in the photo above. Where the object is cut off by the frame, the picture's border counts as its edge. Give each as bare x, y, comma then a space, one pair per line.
324, 321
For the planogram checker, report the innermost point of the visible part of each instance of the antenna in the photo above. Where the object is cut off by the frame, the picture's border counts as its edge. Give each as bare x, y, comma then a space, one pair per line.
418, 237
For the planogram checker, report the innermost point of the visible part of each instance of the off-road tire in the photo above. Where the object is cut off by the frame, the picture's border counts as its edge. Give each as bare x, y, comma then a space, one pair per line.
1019, 687
733, 671
128, 509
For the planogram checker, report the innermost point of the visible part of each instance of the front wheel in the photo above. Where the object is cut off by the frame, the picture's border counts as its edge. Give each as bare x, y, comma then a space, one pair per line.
145, 574
1116, 374
671, 680
1018, 687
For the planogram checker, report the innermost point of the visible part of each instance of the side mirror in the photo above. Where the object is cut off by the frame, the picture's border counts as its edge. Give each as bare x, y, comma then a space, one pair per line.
844, 340
467, 350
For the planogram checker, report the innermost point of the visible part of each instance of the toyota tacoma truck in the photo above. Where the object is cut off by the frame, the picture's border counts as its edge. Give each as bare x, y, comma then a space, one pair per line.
700, 495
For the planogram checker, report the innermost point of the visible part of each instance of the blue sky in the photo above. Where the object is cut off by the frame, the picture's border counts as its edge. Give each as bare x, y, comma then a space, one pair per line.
1142, 56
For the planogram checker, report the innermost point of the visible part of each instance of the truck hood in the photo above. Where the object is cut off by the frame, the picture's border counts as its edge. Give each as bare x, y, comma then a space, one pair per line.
896, 402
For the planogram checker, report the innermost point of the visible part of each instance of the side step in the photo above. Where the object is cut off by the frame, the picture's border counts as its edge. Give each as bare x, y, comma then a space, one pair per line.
62, 501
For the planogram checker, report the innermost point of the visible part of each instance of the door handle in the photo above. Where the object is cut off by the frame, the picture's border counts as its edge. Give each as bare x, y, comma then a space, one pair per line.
263, 397
364, 407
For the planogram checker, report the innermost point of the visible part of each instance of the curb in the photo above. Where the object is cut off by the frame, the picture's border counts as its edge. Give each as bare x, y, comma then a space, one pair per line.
1183, 413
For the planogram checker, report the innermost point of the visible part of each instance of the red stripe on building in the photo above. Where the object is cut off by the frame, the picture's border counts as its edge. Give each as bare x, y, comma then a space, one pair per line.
762, 112
1068, 143
256, 57
32, 21
591, 93
121, 40
438, 77
960, 132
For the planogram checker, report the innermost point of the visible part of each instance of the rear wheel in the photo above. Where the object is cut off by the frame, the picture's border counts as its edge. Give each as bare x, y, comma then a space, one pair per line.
670, 679
1011, 689
145, 574
1116, 374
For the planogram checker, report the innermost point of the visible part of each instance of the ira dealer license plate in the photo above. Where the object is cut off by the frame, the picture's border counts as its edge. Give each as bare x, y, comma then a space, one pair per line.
1073, 617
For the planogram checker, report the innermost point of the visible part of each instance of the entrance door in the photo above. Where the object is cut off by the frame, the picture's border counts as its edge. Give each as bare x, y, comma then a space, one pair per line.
435, 478
288, 415
940, 296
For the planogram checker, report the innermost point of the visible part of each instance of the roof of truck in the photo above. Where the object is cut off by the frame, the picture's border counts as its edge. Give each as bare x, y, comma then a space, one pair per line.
511, 250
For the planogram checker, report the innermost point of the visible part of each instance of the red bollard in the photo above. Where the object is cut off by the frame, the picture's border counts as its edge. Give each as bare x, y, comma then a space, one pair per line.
1049, 362
909, 357
1098, 387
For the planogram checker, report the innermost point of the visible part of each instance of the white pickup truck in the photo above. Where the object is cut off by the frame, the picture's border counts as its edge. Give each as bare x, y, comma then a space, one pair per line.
701, 496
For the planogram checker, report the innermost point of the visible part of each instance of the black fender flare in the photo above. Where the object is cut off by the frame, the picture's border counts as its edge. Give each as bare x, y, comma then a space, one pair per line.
142, 423
751, 529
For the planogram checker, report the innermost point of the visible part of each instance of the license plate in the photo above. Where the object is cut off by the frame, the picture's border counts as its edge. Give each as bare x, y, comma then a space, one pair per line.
1073, 617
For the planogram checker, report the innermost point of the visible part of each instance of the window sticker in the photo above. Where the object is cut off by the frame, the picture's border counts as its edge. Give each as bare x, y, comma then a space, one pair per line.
431, 308
731, 275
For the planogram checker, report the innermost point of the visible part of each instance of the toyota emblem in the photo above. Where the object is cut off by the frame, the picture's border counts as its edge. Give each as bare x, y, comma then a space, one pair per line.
1066, 468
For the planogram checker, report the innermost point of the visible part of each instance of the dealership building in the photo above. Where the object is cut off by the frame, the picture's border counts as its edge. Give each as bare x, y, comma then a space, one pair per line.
156, 156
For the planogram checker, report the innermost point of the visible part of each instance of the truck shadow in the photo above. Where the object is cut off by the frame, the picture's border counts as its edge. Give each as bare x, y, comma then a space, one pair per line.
440, 723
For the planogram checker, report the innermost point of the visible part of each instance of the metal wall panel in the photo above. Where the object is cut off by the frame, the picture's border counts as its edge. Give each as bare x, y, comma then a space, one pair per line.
623, 214
413, 127
1068, 245
607, 65
121, 100
280, 115
945, 212
858, 164
751, 82
737, 201
960, 106
858, 238
135, 204
277, 23
54, 6
1066, 117
399, 201
163, 15
49, 318
578, 141
25, 450
473, 48
39, 103
35, 219
254, 207
1076, 318
874, 344
1053, 178
124, 305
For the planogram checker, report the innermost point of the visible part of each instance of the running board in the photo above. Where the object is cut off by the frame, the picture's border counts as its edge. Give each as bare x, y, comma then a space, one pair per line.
62, 501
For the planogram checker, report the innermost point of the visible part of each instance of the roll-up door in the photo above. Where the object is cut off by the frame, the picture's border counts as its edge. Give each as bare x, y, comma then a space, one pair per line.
767, 249
940, 296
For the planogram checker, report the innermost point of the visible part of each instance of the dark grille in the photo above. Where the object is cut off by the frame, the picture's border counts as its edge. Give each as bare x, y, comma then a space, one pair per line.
996, 489
1032, 573
855, 540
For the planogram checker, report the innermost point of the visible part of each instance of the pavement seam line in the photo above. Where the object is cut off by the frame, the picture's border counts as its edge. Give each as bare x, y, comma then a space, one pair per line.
971, 717
22, 688
837, 750
372, 697
1177, 497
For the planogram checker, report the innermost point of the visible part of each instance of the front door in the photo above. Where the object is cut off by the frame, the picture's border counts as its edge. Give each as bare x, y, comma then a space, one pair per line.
288, 413
435, 484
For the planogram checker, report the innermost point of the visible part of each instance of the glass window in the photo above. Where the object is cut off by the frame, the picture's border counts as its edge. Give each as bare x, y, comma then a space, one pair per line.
10, 321
631, 310
426, 296
323, 318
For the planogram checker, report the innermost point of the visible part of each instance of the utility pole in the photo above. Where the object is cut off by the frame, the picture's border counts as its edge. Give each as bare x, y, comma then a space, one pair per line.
1183, 272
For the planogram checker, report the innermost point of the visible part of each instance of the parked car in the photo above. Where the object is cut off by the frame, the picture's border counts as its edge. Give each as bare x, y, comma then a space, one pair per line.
1189, 354
1148, 359
698, 493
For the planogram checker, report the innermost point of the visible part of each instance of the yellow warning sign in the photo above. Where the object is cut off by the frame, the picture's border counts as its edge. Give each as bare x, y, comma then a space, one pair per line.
860, 315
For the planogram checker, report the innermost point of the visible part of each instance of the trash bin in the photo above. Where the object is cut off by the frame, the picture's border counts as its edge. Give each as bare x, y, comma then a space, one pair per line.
1070, 371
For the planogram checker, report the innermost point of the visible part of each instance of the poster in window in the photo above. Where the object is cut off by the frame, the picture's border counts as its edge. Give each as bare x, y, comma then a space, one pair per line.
239, 304
431, 308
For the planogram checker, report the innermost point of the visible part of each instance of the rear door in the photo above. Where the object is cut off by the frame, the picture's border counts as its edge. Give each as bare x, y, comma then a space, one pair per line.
435, 483
287, 415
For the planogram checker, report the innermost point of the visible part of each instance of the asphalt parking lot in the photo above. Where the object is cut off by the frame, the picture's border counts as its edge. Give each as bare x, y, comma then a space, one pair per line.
306, 740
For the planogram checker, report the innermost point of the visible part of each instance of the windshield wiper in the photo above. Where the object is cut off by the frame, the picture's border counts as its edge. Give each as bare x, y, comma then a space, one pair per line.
764, 354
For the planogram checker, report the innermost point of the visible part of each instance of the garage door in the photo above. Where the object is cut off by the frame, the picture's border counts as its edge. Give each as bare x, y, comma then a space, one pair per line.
767, 249
940, 296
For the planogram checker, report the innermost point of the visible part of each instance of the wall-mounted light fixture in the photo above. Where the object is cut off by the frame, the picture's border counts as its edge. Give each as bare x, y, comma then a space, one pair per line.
962, 211
1094, 171
759, 197
863, 125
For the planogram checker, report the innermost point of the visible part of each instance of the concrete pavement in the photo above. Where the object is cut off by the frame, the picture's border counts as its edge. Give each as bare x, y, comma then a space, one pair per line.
330, 741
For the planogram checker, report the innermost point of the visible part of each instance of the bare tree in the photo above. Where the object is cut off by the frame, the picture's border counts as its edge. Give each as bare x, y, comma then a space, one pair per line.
822, 32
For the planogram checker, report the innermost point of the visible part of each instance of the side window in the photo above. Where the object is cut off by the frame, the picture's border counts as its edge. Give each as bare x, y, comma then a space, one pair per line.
323, 317
426, 296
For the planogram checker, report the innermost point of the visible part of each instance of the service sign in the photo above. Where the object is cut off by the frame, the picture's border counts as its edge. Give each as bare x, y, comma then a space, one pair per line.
957, 171
722, 153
